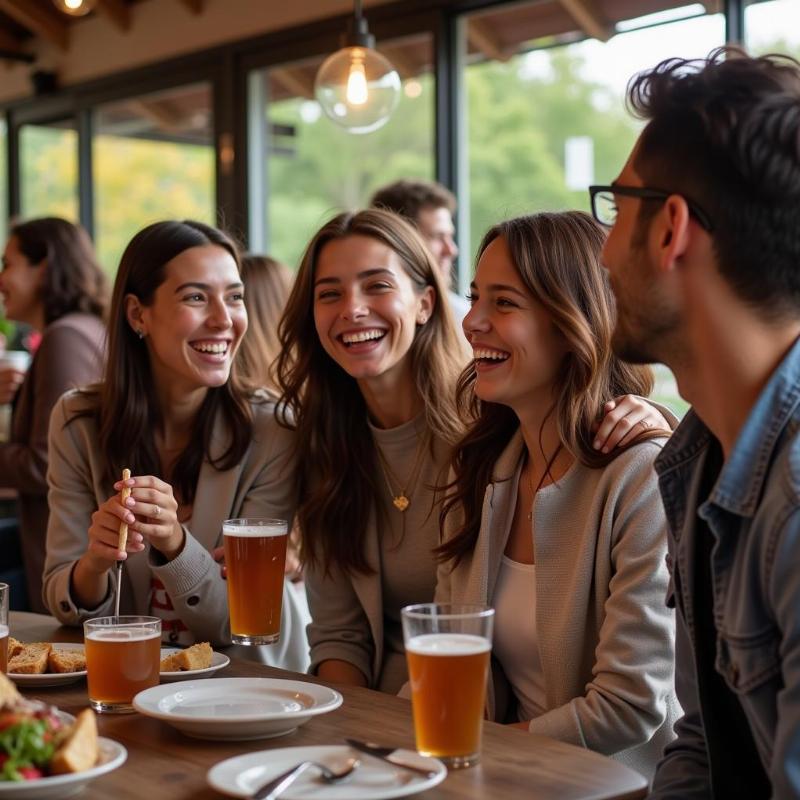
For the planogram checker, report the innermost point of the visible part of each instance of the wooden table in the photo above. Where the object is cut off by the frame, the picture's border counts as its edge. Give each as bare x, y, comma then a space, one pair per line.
163, 763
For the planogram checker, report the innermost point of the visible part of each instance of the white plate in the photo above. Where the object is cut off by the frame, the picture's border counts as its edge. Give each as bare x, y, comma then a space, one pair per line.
50, 678
112, 755
218, 661
241, 775
237, 709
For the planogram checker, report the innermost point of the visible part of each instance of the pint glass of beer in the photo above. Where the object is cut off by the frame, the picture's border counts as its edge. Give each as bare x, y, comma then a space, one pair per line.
4, 590
122, 659
447, 649
255, 556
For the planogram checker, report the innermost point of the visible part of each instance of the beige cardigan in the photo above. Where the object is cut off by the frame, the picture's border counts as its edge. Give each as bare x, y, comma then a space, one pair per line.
256, 487
606, 636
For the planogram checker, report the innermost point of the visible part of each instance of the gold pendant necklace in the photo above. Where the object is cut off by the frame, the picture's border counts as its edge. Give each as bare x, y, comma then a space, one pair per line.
401, 501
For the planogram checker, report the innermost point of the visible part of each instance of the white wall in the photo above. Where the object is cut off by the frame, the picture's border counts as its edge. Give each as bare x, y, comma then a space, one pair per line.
160, 29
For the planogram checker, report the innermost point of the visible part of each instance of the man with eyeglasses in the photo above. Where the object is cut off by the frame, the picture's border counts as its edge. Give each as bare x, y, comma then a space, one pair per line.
704, 259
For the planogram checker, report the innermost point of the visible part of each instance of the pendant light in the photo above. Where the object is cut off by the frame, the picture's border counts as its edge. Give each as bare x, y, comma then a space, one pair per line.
357, 87
75, 8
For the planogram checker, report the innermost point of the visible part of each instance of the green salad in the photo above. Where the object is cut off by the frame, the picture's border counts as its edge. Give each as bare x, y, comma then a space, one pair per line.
28, 740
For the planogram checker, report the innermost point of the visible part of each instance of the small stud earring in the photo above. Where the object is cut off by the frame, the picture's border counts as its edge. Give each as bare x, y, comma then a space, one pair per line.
140, 333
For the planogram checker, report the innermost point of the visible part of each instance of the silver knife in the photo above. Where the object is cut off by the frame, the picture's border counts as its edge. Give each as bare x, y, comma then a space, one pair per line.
383, 753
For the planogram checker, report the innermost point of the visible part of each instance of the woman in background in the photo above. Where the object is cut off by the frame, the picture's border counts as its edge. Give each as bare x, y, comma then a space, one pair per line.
268, 284
565, 541
200, 447
52, 282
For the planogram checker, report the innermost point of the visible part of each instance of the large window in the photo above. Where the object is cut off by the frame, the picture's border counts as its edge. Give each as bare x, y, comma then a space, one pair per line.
3, 180
773, 27
306, 168
49, 170
545, 108
153, 158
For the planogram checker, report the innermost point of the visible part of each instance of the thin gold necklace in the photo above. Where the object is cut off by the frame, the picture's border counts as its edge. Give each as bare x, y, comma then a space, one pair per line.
402, 500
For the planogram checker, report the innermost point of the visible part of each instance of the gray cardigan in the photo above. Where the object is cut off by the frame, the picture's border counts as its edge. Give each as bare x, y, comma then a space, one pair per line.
606, 636
256, 487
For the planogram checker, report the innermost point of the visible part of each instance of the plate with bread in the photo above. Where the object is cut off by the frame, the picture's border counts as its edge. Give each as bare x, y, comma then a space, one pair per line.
197, 661
42, 664
47, 754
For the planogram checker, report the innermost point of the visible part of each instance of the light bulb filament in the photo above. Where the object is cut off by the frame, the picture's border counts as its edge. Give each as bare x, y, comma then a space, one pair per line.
357, 94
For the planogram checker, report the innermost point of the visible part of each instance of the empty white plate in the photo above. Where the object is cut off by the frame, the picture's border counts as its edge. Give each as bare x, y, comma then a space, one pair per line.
237, 708
112, 755
218, 661
240, 776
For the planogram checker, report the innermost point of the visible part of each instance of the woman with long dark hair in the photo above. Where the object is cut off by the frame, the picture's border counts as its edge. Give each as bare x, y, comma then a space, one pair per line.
568, 543
368, 368
201, 449
52, 282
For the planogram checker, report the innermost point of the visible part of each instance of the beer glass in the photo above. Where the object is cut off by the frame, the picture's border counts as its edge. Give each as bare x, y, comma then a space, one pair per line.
447, 649
122, 659
4, 590
255, 557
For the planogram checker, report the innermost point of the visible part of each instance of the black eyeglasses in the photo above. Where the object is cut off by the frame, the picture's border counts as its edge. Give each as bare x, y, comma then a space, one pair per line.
604, 206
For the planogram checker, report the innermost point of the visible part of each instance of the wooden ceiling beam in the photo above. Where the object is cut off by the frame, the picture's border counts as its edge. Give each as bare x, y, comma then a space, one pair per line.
481, 36
9, 42
195, 6
117, 11
588, 16
297, 83
39, 20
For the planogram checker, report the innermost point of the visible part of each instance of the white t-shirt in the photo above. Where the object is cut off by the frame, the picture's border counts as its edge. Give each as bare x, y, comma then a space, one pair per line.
515, 644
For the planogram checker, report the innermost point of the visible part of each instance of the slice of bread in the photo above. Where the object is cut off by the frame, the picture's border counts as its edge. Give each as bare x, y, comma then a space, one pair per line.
9, 696
66, 661
31, 660
14, 646
79, 750
198, 656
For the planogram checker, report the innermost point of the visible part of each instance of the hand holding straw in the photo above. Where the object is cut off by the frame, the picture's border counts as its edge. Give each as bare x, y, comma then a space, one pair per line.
123, 538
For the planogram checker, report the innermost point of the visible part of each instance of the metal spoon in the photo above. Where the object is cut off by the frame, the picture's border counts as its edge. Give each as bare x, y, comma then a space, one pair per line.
273, 788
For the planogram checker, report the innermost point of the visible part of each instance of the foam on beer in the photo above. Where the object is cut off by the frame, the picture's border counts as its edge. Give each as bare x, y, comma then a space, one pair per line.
254, 531
448, 644
123, 635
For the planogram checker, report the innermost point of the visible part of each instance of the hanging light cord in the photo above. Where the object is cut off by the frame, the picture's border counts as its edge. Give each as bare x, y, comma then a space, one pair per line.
357, 10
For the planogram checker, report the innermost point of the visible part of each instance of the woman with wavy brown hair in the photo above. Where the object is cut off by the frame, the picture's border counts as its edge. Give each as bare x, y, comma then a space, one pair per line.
567, 542
200, 446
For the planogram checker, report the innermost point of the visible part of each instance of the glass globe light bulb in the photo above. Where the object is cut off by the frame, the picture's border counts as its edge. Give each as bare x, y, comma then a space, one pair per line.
75, 8
358, 89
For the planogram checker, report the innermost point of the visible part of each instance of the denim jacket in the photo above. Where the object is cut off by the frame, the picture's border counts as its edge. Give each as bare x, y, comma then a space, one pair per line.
753, 512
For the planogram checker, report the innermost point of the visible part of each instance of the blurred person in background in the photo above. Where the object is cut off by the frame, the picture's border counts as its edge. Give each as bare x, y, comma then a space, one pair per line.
430, 207
267, 286
50, 281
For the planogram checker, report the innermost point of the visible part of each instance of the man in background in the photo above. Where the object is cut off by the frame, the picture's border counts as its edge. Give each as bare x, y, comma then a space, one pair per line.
430, 207
704, 259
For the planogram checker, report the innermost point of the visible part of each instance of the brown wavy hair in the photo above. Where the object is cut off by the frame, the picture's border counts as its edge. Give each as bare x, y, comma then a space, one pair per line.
337, 463
557, 256
267, 285
124, 403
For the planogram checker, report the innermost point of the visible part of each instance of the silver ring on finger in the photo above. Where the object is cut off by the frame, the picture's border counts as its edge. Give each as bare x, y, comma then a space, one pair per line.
156, 511
644, 423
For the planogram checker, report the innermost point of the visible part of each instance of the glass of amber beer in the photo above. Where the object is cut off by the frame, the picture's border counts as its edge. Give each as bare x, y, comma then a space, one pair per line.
4, 590
122, 659
255, 557
447, 649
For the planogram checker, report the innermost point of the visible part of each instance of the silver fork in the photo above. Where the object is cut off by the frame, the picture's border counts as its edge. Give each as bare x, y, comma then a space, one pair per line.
275, 787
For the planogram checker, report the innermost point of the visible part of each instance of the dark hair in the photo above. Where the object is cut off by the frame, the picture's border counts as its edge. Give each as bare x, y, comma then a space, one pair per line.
557, 256
125, 402
407, 198
725, 132
267, 284
337, 467
72, 279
